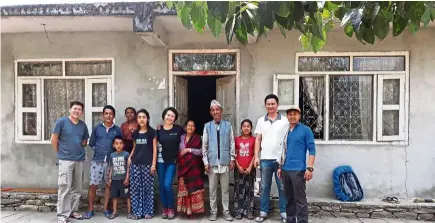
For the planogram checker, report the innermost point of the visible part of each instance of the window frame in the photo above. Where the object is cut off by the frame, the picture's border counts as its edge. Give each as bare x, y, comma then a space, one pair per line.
21, 110
385, 107
402, 139
89, 79
295, 78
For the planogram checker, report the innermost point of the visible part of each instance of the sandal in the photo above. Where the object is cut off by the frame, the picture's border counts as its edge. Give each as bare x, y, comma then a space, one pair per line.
76, 216
147, 216
113, 216
88, 215
107, 213
61, 220
392, 200
132, 217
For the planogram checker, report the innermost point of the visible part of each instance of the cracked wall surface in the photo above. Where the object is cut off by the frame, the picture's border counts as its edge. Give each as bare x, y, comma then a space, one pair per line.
383, 170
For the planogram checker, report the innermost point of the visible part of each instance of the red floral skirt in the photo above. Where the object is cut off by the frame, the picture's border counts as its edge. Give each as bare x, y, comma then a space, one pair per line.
189, 203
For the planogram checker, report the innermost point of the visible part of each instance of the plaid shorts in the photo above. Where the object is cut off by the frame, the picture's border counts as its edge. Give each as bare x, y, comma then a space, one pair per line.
98, 172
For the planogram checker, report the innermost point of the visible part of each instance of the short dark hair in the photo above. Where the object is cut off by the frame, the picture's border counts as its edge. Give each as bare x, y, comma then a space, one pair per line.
76, 103
146, 113
134, 110
109, 107
117, 137
249, 122
271, 96
190, 120
172, 109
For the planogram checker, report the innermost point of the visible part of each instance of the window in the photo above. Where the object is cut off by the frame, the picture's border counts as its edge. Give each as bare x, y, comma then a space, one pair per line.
358, 97
46, 87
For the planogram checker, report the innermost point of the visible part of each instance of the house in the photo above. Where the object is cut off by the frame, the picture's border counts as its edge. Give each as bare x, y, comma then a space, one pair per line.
369, 106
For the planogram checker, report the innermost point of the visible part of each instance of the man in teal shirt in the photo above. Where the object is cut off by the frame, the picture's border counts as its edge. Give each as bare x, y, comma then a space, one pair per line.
294, 170
69, 138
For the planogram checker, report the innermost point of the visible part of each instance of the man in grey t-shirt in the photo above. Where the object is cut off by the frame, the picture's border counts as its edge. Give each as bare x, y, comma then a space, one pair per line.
69, 137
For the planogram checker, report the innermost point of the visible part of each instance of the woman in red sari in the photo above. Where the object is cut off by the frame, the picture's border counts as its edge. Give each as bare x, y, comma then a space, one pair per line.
190, 184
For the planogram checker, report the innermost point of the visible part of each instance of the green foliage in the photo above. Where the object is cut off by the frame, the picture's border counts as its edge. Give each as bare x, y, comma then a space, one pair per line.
368, 20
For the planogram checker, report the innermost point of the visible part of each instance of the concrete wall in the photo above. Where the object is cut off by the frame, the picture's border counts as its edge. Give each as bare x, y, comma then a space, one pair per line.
403, 171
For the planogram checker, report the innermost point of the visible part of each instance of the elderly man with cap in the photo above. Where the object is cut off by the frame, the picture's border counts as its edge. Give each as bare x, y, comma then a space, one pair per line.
218, 150
293, 169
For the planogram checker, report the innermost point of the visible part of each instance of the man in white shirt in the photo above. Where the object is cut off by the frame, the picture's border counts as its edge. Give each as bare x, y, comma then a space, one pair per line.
270, 131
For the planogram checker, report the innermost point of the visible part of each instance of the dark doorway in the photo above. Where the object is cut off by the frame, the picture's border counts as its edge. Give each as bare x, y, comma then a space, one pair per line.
201, 90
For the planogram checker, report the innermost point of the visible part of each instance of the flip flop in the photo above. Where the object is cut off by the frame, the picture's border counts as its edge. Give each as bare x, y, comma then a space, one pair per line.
113, 216
76, 216
132, 217
392, 200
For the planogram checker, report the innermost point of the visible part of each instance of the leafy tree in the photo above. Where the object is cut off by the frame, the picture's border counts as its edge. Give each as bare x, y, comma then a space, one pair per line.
364, 20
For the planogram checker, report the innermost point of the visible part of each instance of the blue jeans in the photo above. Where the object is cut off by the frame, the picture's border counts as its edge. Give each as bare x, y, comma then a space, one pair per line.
269, 168
166, 172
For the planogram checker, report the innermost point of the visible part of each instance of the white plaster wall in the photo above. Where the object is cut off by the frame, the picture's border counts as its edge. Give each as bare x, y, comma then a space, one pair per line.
139, 69
403, 171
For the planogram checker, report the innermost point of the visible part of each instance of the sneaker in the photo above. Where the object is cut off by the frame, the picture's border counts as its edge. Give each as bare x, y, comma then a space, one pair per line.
284, 217
171, 214
228, 217
213, 217
165, 213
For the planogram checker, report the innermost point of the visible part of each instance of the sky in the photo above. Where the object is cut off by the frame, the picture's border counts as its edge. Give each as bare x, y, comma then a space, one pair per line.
32, 2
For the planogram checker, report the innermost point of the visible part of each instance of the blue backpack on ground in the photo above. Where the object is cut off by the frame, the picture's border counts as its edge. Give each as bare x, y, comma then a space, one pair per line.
346, 184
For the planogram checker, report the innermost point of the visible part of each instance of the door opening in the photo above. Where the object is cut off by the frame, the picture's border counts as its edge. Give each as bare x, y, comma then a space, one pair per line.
193, 94
200, 90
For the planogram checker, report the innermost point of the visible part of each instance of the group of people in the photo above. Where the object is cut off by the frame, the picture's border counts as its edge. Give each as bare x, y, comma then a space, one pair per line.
126, 159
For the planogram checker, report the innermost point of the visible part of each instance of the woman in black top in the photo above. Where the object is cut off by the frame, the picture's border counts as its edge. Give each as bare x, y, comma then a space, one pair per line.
142, 162
169, 139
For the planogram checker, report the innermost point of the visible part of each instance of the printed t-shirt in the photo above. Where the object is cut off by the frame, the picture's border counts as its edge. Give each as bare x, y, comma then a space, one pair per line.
170, 141
118, 162
143, 153
245, 151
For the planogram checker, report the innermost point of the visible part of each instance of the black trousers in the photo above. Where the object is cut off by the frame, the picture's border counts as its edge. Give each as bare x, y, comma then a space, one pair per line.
295, 195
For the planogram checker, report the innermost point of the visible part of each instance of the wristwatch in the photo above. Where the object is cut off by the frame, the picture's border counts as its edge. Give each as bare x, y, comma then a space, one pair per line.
311, 169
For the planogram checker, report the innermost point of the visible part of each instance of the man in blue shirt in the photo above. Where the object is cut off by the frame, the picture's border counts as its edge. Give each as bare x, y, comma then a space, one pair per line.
69, 137
101, 142
294, 170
